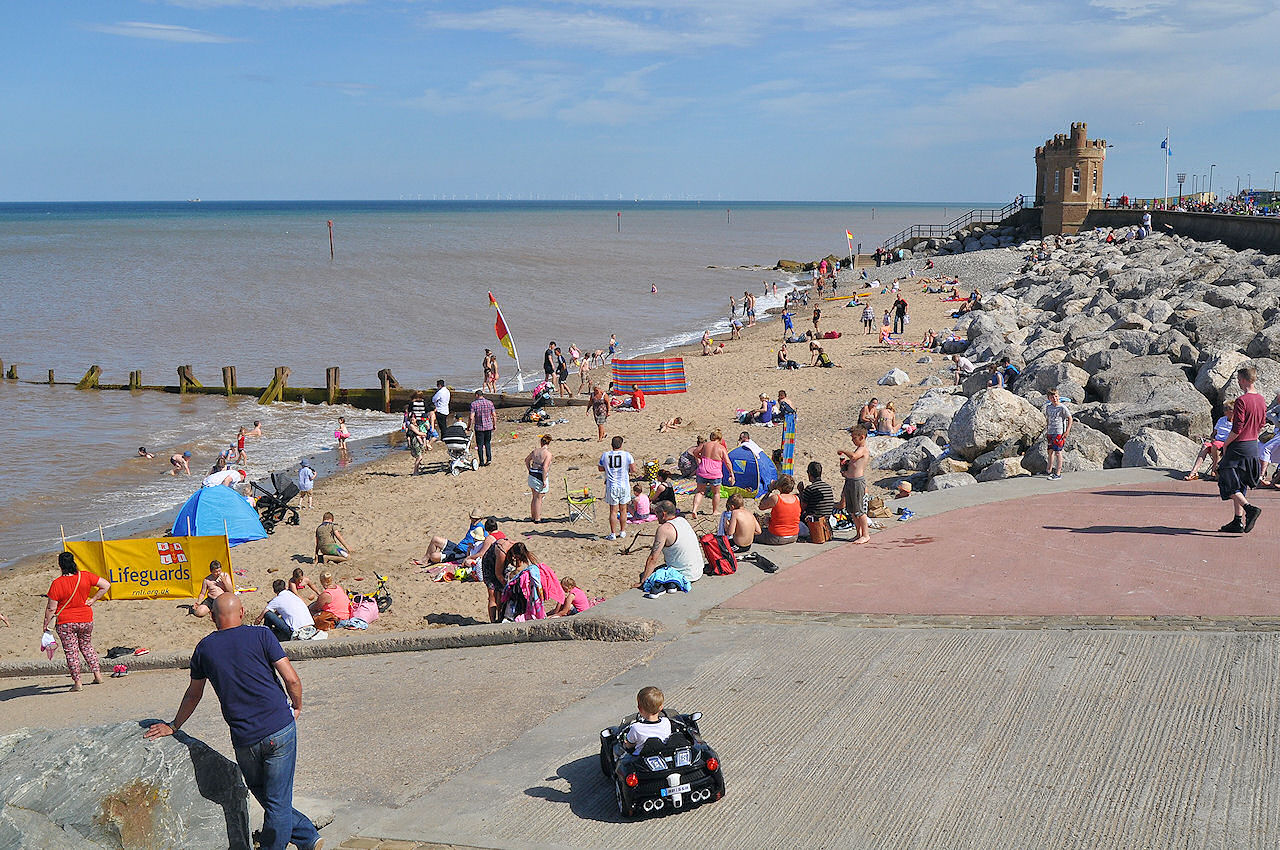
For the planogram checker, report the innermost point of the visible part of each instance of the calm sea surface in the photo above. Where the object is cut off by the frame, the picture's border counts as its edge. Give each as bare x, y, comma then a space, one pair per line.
153, 285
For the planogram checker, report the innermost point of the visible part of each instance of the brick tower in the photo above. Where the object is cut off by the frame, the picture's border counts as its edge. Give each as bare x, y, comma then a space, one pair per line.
1069, 179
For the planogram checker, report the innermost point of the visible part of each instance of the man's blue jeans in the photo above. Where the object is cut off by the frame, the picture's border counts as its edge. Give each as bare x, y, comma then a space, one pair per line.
268, 768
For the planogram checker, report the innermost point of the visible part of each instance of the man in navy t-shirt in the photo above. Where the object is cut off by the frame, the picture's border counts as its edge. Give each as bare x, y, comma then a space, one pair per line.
242, 662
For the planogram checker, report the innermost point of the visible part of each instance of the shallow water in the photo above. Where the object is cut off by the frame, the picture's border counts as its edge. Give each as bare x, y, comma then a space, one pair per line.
152, 286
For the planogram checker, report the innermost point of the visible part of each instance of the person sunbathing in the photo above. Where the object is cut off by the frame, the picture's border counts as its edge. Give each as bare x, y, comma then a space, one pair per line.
671, 424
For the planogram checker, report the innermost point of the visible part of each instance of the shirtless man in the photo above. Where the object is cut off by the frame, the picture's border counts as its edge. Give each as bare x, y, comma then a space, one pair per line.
179, 463
853, 465
739, 525
216, 583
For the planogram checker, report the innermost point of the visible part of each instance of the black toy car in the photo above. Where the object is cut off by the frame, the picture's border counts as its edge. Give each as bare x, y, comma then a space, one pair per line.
679, 773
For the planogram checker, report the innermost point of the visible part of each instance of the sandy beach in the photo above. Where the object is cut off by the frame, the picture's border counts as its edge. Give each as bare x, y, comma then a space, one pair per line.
388, 515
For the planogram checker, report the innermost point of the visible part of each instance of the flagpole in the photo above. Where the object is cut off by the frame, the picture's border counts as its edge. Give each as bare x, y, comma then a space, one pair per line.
1168, 152
850, 238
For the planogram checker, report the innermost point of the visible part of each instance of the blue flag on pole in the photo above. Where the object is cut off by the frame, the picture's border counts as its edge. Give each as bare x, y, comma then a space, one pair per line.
1165, 145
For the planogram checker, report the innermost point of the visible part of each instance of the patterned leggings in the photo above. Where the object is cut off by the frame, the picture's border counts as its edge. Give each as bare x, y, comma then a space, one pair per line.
77, 639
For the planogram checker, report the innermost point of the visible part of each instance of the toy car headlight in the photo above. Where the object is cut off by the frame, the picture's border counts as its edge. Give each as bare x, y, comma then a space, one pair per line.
684, 757
655, 763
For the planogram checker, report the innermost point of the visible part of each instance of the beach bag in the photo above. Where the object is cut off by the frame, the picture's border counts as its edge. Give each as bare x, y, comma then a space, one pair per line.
719, 554
876, 508
366, 609
325, 621
306, 633
819, 530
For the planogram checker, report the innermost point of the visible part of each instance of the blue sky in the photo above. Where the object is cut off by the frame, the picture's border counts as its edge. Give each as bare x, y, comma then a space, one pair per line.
732, 99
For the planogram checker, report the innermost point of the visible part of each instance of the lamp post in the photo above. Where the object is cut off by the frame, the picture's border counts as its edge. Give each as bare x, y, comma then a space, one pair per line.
1273, 180
1237, 185
1182, 178
1211, 167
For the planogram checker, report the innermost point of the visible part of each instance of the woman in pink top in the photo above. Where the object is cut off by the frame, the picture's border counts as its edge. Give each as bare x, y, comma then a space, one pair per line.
1241, 466
713, 461
332, 599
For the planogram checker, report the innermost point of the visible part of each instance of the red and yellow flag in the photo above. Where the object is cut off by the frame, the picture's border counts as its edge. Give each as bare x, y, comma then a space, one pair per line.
500, 328
849, 235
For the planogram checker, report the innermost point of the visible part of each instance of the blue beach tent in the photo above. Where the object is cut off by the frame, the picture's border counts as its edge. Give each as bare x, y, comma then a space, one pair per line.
753, 472
205, 513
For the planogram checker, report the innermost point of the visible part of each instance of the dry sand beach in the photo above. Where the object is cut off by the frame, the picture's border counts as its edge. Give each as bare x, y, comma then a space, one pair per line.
388, 515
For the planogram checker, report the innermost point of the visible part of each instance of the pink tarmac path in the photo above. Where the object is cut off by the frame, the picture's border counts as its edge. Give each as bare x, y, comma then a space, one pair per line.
1147, 549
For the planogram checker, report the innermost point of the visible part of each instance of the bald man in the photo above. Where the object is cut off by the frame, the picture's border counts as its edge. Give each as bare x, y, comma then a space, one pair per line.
242, 662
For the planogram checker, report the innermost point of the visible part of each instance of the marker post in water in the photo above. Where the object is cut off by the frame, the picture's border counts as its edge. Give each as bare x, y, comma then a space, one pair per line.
331, 239
619, 222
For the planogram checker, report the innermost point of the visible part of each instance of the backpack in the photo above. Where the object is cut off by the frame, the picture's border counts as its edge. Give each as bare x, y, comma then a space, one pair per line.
719, 554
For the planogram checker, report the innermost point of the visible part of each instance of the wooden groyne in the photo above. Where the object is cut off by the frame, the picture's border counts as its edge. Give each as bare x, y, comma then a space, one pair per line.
389, 396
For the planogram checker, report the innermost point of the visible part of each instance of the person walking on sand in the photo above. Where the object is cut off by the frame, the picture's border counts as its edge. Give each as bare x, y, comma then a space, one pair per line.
549, 363
306, 484
538, 464
599, 411
618, 466
853, 466
751, 308
713, 463
817, 314
1241, 466
70, 610
243, 662
868, 318
584, 375
483, 421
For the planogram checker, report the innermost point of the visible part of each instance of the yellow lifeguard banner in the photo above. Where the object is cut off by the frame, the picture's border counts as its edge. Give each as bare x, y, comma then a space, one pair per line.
152, 567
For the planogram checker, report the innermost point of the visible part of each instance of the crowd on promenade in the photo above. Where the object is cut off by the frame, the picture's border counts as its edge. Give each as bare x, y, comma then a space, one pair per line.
1244, 204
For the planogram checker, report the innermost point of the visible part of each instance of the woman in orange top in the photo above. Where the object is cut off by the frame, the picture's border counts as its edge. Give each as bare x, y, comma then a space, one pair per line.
71, 598
784, 513
332, 599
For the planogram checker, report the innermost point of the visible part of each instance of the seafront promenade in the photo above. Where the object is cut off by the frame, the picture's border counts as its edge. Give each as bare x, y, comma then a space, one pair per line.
1103, 675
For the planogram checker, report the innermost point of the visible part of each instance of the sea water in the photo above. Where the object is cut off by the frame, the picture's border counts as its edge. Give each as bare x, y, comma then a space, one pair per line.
152, 286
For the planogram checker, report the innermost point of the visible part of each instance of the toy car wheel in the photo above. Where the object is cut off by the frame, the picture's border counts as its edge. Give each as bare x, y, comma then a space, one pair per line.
623, 808
475, 464
606, 769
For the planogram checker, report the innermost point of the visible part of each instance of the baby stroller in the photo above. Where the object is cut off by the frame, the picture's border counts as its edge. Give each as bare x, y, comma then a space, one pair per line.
457, 441
274, 507
541, 398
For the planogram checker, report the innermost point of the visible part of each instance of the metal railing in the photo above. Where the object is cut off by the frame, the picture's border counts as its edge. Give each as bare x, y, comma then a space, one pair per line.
934, 231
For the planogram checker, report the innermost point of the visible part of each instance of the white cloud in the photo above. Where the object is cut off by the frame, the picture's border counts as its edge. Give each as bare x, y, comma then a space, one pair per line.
162, 32
261, 4
544, 91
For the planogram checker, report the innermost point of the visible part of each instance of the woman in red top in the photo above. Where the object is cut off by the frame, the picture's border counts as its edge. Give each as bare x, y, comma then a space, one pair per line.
784, 513
71, 598
1240, 467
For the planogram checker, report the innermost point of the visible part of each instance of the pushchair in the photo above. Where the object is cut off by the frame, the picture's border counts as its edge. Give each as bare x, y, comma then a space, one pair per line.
274, 507
541, 398
457, 442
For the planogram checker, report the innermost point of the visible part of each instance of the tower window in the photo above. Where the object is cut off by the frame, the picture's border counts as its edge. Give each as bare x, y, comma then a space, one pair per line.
1057, 181
1095, 181
1075, 180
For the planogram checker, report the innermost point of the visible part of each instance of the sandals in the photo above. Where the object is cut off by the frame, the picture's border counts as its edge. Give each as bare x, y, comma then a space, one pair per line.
1193, 476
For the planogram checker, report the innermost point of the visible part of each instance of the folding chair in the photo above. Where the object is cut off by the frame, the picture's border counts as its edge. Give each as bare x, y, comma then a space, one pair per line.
581, 506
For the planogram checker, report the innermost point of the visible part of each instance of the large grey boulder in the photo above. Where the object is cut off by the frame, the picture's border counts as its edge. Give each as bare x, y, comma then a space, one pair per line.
894, 378
1134, 378
1217, 371
1164, 449
951, 480
991, 417
1008, 467
934, 410
107, 787
1230, 327
915, 454
1086, 449
878, 445
1173, 407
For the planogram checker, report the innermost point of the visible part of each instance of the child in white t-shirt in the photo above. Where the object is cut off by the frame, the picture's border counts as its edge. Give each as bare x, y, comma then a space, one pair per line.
651, 723
306, 481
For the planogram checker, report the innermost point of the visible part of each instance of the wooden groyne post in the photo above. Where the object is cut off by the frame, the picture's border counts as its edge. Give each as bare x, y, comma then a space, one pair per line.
187, 378
332, 384
135, 379
12, 374
389, 383
50, 376
275, 390
89, 381
229, 380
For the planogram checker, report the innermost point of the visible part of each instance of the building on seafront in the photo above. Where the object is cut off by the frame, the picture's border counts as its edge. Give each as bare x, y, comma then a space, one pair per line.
1069, 179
